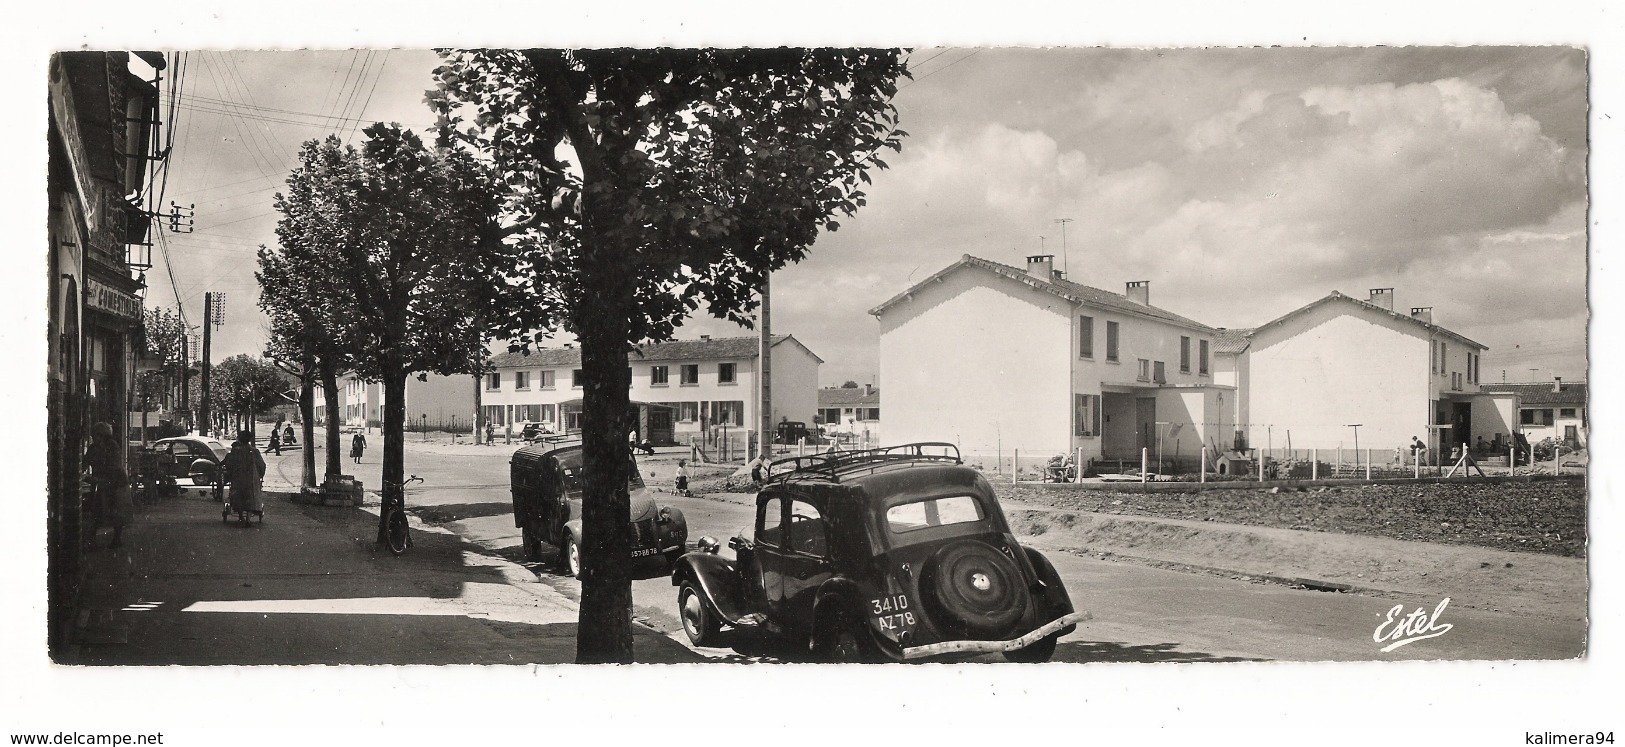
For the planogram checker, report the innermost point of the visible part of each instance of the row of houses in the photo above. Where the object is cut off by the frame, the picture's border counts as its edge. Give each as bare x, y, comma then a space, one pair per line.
997, 358
682, 388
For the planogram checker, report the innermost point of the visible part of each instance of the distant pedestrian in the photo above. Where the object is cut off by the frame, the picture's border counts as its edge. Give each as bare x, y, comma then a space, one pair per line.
682, 477
358, 445
110, 503
245, 468
1419, 450
490, 432
276, 442
287, 435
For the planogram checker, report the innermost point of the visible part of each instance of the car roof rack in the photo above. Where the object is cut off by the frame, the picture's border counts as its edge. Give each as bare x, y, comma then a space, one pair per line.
833, 465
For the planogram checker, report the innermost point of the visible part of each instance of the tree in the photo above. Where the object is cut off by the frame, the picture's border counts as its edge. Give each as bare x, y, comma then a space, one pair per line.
401, 244
246, 386
164, 334
645, 182
849, 384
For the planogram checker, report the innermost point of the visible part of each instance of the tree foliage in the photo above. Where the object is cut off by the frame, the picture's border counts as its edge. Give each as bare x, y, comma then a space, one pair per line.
247, 385
388, 257
640, 184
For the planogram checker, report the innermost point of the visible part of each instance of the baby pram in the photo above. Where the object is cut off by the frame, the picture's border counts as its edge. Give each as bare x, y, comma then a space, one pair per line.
234, 501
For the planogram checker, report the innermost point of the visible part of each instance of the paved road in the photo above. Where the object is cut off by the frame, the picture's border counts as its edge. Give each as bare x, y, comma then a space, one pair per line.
1141, 613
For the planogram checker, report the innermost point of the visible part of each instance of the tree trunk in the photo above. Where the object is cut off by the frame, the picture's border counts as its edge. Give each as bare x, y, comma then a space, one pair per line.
605, 631
479, 411
394, 440
330, 398
307, 430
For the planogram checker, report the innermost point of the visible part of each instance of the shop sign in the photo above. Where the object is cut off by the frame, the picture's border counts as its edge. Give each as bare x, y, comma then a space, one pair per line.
107, 299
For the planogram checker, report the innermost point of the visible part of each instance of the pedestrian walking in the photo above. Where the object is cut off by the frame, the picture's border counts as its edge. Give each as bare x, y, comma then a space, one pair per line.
110, 500
276, 442
358, 444
245, 468
682, 477
490, 432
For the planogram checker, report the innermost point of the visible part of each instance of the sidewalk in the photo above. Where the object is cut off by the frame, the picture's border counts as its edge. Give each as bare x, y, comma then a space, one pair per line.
311, 587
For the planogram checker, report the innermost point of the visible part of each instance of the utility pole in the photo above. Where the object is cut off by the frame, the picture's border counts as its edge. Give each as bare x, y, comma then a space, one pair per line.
764, 372
1063, 222
213, 306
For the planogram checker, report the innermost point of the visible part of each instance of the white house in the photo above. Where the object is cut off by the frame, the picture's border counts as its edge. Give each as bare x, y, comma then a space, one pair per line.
854, 410
1556, 410
996, 358
1307, 378
708, 383
438, 402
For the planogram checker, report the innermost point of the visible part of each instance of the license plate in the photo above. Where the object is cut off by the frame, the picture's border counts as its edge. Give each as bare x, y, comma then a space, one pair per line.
646, 552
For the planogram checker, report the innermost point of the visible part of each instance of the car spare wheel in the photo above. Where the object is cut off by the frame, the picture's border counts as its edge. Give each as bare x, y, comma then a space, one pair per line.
974, 588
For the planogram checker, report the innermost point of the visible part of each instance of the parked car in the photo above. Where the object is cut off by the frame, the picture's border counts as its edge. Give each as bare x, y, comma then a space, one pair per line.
532, 432
194, 457
893, 554
546, 482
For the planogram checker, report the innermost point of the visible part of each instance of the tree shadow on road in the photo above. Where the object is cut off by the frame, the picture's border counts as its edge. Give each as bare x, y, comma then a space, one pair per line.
1085, 652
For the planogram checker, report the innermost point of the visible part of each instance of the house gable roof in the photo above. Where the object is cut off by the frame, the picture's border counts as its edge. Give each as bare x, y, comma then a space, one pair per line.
723, 348
1231, 341
1075, 292
1335, 296
848, 397
1572, 393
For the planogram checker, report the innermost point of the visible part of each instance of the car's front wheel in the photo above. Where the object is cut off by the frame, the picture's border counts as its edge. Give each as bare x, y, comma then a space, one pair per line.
699, 622
570, 556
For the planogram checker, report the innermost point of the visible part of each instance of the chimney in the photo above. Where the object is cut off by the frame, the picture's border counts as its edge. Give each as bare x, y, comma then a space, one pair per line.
1383, 297
866, 390
705, 337
1557, 384
1423, 313
1041, 266
1139, 291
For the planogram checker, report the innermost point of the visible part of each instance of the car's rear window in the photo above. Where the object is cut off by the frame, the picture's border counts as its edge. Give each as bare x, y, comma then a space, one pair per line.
935, 512
570, 461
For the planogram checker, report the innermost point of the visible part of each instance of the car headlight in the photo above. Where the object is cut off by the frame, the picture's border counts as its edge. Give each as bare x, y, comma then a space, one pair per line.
709, 544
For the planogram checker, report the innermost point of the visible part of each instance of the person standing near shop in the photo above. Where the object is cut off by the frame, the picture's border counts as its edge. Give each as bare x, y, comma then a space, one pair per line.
358, 445
110, 485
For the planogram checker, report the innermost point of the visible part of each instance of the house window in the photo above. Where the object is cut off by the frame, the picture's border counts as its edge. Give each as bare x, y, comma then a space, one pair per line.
657, 376
1086, 414
1201, 357
1111, 341
493, 381
576, 379
1535, 417
868, 413
1444, 357
547, 380
1566, 412
1184, 354
690, 373
1086, 337
1433, 356
831, 416
521, 381
731, 412
726, 373
686, 412
1158, 375
1145, 370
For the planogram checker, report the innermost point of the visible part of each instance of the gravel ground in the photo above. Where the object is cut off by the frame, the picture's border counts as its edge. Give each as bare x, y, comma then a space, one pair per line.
1545, 516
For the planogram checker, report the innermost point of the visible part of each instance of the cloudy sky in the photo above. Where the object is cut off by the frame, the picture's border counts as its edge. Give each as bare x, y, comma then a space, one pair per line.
1242, 183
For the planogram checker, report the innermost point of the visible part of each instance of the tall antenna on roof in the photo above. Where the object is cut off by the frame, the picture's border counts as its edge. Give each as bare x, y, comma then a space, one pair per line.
1063, 222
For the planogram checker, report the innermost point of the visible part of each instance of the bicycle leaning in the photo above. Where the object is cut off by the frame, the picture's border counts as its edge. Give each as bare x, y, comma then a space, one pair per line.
394, 531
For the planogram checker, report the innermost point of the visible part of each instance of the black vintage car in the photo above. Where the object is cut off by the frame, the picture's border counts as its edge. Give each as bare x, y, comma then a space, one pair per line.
546, 482
894, 554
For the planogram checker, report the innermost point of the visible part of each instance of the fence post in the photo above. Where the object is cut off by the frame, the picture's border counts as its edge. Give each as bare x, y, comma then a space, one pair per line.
1512, 456
1077, 467
1314, 464
1201, 477
1260, 464
1557, 458
1367, 463
1340, 459
1417, 459
1145, 456
1015, 466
